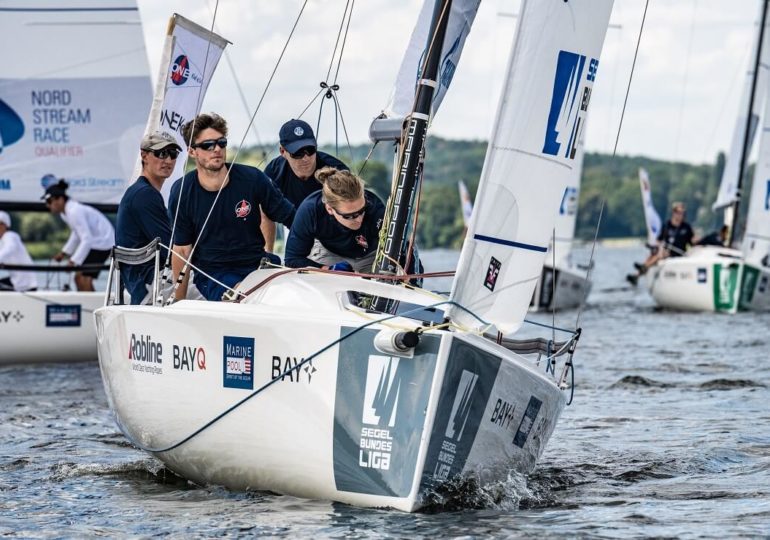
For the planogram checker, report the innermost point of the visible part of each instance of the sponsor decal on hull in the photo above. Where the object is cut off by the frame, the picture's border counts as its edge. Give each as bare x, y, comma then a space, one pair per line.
238, 362
527, 421
379, 414
285, 369
468, 381
7, 317
145, 354
725, 285
748, 286
62, 315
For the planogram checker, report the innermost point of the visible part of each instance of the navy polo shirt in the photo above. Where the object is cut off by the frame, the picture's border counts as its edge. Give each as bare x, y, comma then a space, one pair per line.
680, 237
314, 222
141, 219
231, 237
290, 185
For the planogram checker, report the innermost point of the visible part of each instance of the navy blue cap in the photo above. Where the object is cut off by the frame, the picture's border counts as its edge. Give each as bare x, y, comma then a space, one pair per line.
296, 134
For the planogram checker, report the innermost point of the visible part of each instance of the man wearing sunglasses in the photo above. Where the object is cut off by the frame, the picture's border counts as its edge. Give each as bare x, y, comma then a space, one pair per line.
142, 215
219, 208
293, 171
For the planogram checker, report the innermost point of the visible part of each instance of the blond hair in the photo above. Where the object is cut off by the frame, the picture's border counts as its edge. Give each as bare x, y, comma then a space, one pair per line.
339, 186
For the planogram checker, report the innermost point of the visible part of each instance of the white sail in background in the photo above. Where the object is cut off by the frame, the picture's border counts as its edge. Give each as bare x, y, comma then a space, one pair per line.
651, 216
566, 217
74, 92
190, 57
461, 18
756, 239
531, 156
465, 202
728, 188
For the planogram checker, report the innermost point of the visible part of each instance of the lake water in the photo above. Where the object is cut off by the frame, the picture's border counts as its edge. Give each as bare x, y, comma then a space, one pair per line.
668, 436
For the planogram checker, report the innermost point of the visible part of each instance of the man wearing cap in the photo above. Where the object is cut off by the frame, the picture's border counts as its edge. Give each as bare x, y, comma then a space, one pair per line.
142, 215
293, 172
12, 251
218, 212
91, 237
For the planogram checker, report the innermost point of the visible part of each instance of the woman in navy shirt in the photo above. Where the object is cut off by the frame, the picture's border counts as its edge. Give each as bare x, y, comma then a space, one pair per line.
337, 227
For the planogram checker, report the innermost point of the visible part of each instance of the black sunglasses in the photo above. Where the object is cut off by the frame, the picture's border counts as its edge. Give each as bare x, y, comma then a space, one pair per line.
302, 152
352, 215
209, 144
172, 153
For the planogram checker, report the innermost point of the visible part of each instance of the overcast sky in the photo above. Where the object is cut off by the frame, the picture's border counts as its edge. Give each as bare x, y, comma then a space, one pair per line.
683, 101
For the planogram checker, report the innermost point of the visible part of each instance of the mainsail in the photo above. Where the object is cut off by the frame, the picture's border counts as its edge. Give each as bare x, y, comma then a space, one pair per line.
74, 90
651, 216
566, 217
756, 239
190, 57
461, 17
532, 151
728, 188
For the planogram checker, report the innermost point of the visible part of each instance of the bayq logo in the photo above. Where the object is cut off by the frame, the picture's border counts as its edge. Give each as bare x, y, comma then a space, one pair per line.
11, 126
572, 87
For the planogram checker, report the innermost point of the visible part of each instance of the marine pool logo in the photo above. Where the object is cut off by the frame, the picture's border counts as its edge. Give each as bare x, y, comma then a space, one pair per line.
11, 126
381, 393
180, 71
569, 103
238, 362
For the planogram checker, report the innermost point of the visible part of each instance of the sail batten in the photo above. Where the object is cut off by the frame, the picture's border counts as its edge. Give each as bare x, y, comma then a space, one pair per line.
534, 152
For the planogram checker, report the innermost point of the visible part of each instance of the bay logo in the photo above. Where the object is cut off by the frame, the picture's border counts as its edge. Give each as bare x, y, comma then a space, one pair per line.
382, 388
572, 86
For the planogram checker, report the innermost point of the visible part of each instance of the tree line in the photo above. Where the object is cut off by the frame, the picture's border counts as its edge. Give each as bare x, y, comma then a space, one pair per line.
606, 180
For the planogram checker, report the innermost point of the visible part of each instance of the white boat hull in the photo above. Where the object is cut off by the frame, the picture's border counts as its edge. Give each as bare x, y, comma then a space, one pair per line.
710, 279
572, 287
355, 424
48, 326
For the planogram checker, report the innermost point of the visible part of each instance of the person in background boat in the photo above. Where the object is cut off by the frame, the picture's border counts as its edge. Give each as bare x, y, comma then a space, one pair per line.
293, 172
142, 215
338, 227
91, 238
228, 243
13, 251
674, 239
716, 238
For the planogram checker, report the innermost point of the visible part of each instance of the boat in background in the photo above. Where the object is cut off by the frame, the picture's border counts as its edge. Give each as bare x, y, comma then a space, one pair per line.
74, 94
727, 279
379, 407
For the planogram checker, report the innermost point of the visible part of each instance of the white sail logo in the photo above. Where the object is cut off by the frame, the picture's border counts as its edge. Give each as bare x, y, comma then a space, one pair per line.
382, 389
569, 103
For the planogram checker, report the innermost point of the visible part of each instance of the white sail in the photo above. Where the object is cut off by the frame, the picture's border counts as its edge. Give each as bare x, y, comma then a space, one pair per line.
756, 239
728, 188
465, 202
531, 156
461, 18
651, 216
74, 90
190, 57
566, 217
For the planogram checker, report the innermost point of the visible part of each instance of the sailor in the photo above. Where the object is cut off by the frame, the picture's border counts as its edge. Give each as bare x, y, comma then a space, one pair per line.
674, 238
91, 238
716, 238
219, 212
344, 218
142, 215
12, 251
293, 171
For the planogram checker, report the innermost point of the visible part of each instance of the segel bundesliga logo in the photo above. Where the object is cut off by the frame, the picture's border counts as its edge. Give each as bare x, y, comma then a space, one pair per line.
572, 86
383, 386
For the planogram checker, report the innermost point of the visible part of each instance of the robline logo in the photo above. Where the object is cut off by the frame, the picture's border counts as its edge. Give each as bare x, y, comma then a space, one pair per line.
569, 103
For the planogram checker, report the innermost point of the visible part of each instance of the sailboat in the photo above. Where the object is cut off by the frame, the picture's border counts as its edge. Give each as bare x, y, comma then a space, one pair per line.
563, 283
73, 96
729, 279
357, 389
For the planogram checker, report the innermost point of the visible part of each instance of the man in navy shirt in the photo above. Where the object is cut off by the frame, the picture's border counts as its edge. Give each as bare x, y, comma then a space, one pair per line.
219, 211
142, 215
293, 171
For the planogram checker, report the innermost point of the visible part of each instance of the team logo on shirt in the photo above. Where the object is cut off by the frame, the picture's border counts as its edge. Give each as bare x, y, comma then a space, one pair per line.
242, 209
361, 241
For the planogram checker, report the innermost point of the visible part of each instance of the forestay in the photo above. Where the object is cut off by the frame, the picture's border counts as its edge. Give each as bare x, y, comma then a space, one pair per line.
74, 88
461, 17
532, 150
728, 188
190, 57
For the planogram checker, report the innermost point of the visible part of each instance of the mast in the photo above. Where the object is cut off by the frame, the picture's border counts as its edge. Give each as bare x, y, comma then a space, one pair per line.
409, 168
734, 208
